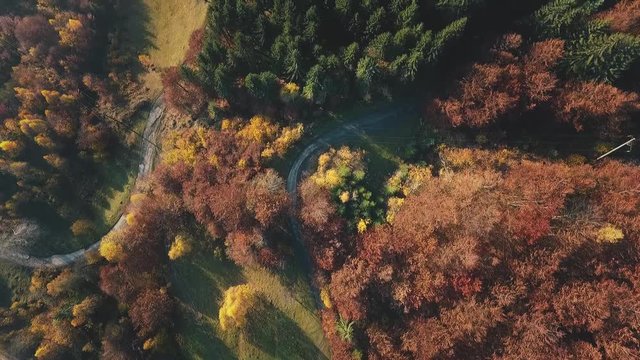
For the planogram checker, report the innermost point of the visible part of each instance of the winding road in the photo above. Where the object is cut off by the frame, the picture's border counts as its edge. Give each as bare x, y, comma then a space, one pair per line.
353, 127
149, 152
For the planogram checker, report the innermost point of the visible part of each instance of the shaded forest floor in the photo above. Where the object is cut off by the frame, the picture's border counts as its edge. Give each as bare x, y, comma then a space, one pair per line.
112, 180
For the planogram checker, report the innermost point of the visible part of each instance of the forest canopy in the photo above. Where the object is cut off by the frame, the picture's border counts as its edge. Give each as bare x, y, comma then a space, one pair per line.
402, 179
286, 52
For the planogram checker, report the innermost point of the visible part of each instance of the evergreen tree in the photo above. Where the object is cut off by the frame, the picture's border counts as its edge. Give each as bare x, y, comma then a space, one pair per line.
562, 18
263, 86
602, 57
286, 39
457, 7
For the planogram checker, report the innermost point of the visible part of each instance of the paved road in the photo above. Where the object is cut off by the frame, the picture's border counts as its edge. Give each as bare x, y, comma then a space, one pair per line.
352, 127
149, 152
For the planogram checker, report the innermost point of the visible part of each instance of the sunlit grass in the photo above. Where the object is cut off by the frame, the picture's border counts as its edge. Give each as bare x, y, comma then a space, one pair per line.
284, 325
170, 24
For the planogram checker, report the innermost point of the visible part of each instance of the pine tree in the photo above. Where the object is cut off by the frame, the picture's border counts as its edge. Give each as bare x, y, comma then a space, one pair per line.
457, 7
562, 18
602, 57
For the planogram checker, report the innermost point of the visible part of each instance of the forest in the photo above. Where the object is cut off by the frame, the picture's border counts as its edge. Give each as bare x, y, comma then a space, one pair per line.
336, 179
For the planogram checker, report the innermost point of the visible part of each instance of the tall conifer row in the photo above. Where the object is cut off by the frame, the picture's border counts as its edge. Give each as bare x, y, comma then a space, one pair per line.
329, 49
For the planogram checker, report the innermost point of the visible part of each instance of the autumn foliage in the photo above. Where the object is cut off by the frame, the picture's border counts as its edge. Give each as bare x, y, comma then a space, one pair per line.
514, 81
55, 95
504, 257
624, 17
595, 106
519, 79
209, 180
237, 304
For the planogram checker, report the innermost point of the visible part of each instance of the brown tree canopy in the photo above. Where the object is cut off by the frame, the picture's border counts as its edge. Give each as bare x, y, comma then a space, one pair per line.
151, 311
504, 257
515, 80
324, 230
624, 16
595, 106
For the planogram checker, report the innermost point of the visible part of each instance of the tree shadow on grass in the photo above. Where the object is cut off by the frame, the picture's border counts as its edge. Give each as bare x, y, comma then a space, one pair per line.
273, 332
200, 281
198, 340
135, 36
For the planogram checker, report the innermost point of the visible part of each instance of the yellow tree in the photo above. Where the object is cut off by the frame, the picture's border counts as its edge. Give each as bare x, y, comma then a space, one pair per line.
82, 227
111, 248
237, 303
180, 247
84, 310
259, 130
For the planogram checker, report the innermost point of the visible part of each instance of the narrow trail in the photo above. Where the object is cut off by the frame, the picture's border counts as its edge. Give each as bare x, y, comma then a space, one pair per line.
356, 126
148, 156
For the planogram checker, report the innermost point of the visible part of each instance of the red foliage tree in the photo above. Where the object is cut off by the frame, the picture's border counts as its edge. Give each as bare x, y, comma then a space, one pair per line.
151, 311
196, 40
503, 259
34, 31
595, 106
182, 95
325, 232
506, 86
340, 349
623, 17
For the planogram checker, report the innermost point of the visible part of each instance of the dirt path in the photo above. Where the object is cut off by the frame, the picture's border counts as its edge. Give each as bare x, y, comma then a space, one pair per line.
148, 156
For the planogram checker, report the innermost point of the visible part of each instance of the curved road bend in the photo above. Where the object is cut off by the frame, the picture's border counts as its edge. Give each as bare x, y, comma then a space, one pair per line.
149, 152
355, 126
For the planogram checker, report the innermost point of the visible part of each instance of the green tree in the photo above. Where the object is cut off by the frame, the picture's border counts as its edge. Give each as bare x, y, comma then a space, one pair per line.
375, 22
366, 73
263, 86
351, 56
345, 329
562, 18
311, 24
409, 15
602, 57
457, 7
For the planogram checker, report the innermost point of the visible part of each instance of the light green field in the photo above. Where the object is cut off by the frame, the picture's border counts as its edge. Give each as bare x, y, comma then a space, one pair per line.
283, 326
171, 23
168, 28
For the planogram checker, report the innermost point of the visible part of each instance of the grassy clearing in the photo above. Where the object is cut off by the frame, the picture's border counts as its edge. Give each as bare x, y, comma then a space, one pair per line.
172, 22
386, 145
118, 178
161, 29
321, 126
14, 283
284, 326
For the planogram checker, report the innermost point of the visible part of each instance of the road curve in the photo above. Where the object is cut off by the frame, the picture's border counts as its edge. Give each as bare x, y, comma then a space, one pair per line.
355, 126
149, 152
